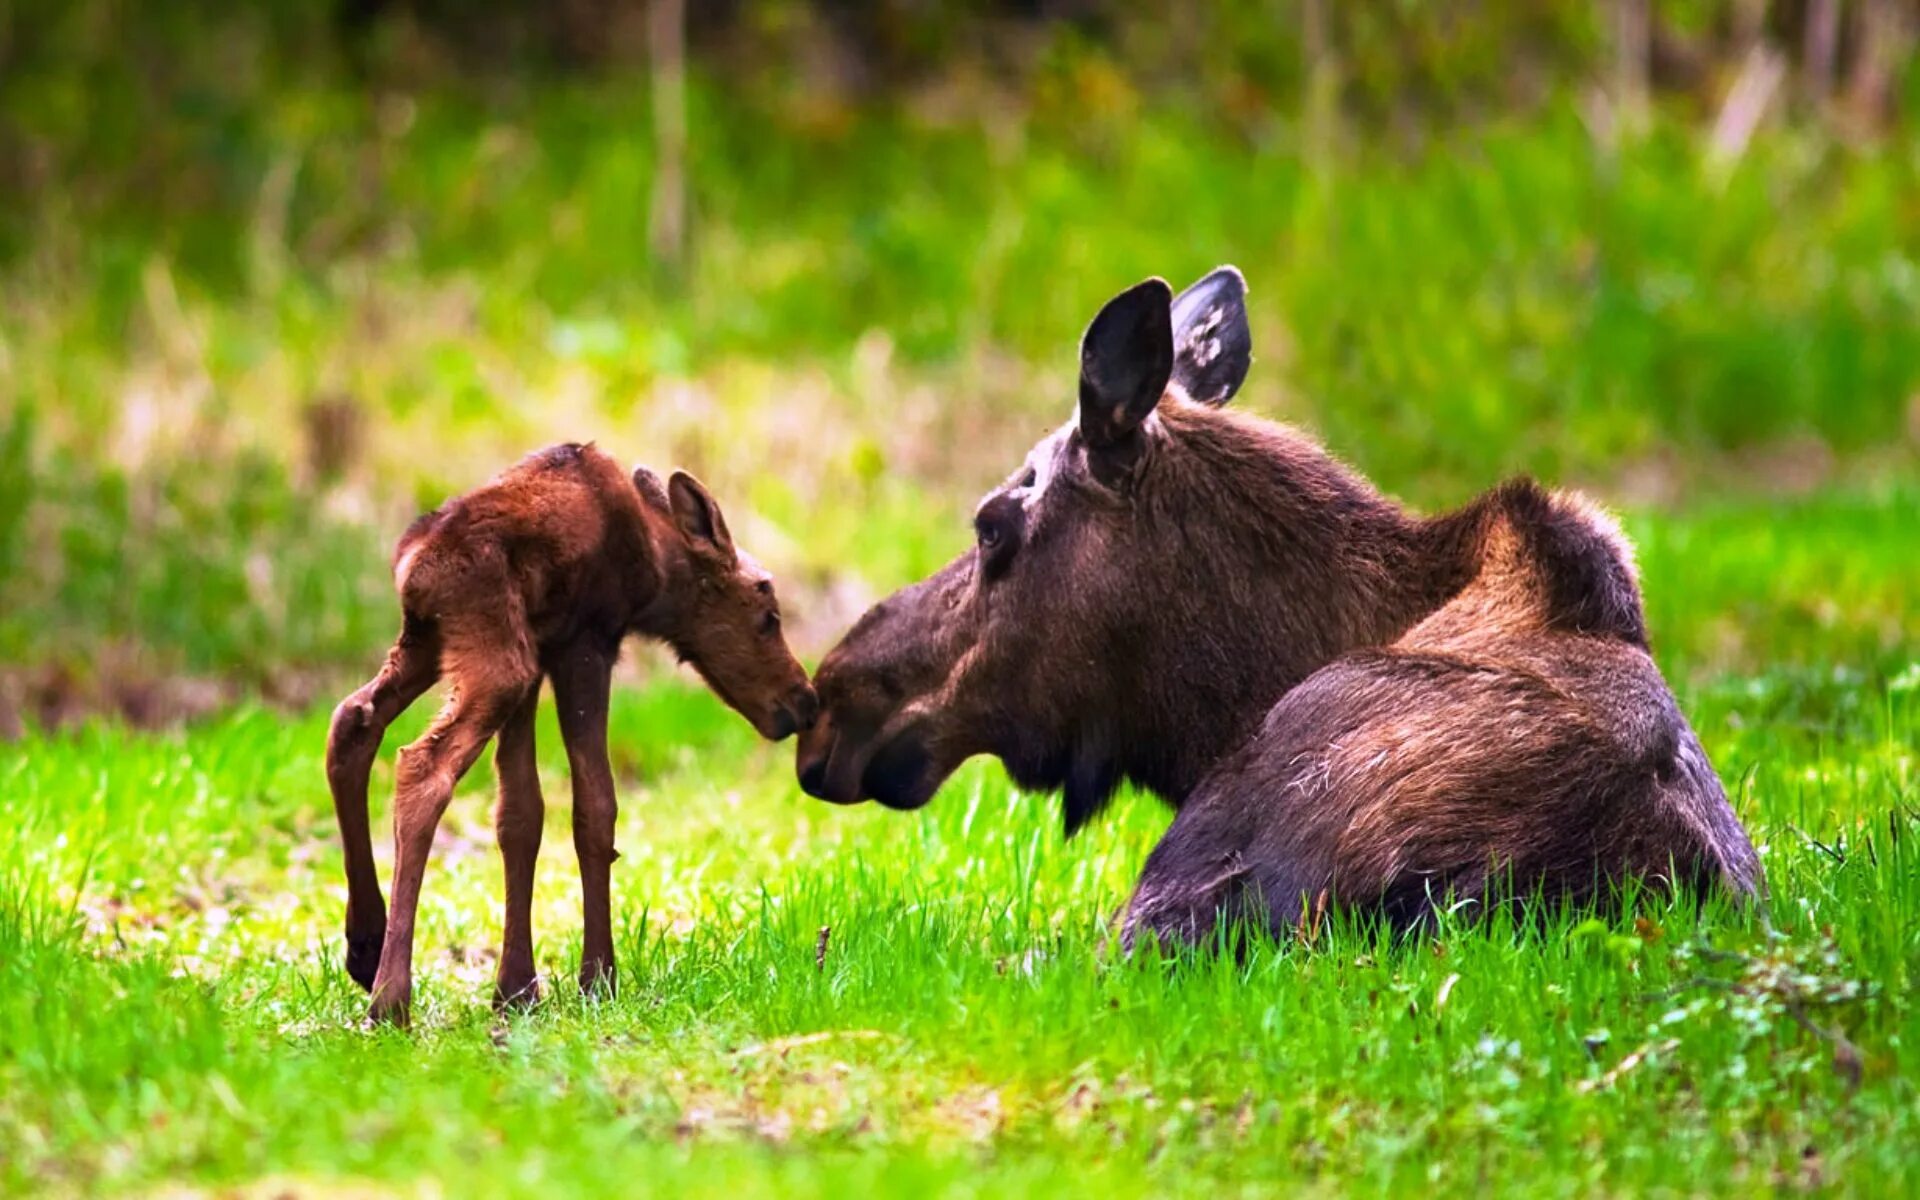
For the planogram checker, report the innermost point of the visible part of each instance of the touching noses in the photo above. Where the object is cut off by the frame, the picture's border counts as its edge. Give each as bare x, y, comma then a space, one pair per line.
797, 712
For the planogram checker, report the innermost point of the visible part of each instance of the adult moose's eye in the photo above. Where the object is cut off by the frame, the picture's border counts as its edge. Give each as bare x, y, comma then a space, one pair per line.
997, 529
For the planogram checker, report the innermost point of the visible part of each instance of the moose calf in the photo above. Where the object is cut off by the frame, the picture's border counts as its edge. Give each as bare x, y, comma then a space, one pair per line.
541, 573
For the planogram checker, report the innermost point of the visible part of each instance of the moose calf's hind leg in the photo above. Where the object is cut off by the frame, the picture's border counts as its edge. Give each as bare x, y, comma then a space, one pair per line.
517, 818
429, 769
353, 741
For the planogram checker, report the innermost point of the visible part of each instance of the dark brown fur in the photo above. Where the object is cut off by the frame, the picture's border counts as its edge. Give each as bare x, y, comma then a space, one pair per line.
541, 573
1338, 695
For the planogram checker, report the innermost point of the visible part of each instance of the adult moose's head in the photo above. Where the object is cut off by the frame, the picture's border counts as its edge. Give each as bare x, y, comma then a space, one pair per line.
1154, 576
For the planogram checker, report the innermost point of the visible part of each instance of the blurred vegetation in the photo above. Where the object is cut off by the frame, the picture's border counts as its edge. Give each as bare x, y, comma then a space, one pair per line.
272, 279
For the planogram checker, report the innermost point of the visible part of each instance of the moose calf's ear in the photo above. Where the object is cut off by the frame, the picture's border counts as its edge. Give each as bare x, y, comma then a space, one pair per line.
1126, 359
1212, 346
697, 515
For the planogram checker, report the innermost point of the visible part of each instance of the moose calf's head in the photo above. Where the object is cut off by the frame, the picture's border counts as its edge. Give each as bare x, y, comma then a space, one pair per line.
1104, 624
724, 618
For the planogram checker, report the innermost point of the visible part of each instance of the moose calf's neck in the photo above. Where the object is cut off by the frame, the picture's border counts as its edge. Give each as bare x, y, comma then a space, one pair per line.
663, 582
662, 601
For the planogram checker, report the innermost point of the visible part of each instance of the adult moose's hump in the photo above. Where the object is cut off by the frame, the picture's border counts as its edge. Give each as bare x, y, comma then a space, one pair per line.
1340, 698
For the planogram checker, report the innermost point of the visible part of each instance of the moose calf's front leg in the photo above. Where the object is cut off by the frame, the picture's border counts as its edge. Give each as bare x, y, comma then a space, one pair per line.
594, 811
517, 818
580, 685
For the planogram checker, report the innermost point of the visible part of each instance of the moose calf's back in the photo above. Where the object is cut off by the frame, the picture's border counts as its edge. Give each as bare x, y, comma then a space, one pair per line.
560, 535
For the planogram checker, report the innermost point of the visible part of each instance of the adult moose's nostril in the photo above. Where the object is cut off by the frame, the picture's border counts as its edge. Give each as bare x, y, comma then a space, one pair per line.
814, 756
813, 778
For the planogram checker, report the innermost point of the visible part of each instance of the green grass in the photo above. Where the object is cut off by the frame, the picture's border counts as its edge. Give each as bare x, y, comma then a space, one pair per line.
172, 1006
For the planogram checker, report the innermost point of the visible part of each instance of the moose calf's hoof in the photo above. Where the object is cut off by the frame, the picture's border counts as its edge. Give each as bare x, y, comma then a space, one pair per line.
518, 994
597, 979
392, 1006
363, 958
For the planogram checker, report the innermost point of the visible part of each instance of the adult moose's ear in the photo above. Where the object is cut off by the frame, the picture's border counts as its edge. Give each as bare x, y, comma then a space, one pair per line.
1126, 359
651, 489
698, 516
1212, 346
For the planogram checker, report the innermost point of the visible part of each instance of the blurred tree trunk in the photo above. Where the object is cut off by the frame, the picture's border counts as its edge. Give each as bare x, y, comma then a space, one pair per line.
1322, 78
1822, 44
1632, 60
666, 52
1884, 41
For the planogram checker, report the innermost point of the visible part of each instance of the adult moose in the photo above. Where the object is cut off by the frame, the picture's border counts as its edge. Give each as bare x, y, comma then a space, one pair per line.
1340, 698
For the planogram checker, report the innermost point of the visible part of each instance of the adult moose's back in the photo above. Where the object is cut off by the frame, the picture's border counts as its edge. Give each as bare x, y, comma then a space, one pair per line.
1341, 698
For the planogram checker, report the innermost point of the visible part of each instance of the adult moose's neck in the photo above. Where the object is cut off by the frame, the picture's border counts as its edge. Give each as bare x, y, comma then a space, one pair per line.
1287, 560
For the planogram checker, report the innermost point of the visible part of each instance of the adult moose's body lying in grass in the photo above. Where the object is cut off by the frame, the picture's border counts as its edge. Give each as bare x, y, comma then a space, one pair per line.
542, 573
1344, 701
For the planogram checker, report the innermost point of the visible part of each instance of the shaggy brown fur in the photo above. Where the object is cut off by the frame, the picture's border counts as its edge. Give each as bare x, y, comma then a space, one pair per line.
1338, 695
541, 573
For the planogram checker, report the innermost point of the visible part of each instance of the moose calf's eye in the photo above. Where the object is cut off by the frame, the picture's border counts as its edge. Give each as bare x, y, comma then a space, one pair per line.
770, 624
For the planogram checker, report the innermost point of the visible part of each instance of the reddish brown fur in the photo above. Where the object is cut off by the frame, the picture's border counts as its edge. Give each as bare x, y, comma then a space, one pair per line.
1340, 697
1520, 735
541, 573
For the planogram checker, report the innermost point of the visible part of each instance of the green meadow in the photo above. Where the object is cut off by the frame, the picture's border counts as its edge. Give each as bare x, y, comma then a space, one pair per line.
815, 1000
241, 346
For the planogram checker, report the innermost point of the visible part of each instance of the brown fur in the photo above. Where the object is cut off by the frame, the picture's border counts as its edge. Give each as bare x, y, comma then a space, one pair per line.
1338, 695
541, 573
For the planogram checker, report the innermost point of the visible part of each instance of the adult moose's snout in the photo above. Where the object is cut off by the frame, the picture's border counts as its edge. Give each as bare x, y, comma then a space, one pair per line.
813, 764
812, 773
810, 758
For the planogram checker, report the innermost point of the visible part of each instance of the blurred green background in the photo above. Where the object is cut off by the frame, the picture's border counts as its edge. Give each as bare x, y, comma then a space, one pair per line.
275, 277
